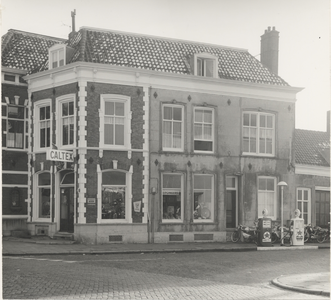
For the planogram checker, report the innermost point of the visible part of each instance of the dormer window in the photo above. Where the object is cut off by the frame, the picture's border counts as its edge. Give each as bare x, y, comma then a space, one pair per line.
205, 65
57, 58
59, 55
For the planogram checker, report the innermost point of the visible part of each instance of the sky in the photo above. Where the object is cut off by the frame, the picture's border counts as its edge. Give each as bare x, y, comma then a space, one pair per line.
303, 25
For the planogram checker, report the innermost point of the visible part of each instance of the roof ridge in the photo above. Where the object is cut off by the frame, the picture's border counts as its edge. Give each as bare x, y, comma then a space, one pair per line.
163, 38
36, 35
6, 38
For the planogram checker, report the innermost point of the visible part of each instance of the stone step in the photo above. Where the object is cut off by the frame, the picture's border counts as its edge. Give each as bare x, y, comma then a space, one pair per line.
63, 236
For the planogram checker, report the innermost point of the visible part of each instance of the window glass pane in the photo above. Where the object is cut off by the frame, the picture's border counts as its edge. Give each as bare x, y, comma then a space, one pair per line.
48, 112
119, 134
199, 67
209, 68
61, 57
113, 203
253, 120
44, 179
202, 181
262, 184
198, 115
270, 184
246, 120
44, 203
119, 109
208, 116
113, 178
299, 194
4, 110
269, 122
203, 197
207, 133
230, 182
167, 111
171, 204
198, 131
109, 108
305, 195
71, 108
171, 181
262, 121
42, 113
65, 109
109, 134
177, 113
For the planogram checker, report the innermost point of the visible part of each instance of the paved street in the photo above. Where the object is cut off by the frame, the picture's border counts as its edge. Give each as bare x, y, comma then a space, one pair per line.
210, 275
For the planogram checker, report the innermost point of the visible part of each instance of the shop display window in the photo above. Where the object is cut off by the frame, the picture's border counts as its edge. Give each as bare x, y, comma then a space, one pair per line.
44, 191
113, 195
172, 197
203, 197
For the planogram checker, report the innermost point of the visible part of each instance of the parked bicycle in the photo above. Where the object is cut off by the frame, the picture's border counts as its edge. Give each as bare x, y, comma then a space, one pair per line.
314, 233
248, 234
324, 234
276, 235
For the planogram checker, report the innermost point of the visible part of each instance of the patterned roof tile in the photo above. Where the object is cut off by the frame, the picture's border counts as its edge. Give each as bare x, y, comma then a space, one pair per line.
30, 51
312, 147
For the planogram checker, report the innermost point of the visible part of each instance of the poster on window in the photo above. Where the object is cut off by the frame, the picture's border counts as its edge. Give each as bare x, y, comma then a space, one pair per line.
137, 206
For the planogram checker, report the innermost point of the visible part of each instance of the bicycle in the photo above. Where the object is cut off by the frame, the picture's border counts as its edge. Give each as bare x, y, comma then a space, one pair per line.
248, 234
287, 236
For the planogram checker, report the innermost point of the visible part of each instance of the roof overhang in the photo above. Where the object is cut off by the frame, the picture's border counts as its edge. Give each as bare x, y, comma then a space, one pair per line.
312, 170
93, 72
13, 71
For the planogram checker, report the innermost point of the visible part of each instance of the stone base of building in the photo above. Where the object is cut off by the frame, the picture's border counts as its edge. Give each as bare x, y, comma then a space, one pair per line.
190, 237
10, 224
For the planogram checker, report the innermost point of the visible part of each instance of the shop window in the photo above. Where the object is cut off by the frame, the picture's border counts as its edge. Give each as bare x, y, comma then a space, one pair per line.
203, 206
13, 126
258, 134
172, 197
15, 200
203, 130
231, 201
114, 194
172, 128
322, 201
115, 122
267, 196
44, 195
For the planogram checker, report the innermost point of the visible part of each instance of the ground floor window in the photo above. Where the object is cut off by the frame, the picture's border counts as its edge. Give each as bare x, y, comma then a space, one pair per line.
172, 197
267, 196
303, 204
44, 192
113, 195
203, 206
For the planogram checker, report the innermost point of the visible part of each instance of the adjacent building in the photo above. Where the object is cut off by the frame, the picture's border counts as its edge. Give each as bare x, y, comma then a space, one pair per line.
135, 138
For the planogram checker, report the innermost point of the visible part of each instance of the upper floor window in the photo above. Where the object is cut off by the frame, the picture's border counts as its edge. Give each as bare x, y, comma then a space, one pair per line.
205, 65
66, 120
258, 133
14, 126
115, 121
42, 124
203, 129
172, 127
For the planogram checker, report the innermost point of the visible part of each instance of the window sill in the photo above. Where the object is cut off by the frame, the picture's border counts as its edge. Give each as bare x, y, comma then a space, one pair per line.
258, 155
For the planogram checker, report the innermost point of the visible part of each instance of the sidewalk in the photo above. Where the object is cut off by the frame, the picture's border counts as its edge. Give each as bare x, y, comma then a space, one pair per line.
318, 284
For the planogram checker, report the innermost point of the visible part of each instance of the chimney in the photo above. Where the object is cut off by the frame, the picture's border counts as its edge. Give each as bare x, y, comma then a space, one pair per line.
269, 49
328, 122
73, 31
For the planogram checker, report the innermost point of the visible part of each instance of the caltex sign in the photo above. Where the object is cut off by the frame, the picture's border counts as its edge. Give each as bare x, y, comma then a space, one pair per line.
60, 155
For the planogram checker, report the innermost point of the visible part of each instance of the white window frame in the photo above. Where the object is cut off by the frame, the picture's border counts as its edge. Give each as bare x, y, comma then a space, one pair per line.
56, 49
212, 129
259, 211
127, 120
24, 120
36, 198
258, 128
204, 57
181, 190
172, 126
128, 196
308, 201
36, 122
59, 101
212, 204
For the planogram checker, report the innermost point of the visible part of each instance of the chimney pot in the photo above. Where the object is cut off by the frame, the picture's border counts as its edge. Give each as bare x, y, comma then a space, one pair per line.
269, 28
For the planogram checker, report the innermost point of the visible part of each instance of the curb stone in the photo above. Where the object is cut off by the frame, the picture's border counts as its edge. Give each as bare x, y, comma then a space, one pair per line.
277, 283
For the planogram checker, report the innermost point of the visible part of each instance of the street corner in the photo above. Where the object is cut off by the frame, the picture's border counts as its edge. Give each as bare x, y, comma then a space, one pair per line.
315, 283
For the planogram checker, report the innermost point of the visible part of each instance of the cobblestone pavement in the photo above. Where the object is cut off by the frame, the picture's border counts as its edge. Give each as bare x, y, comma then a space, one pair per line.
56, 278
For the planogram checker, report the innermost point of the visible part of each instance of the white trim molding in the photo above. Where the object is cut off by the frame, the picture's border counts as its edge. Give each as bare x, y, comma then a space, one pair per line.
11, 217
312, 170
322, 188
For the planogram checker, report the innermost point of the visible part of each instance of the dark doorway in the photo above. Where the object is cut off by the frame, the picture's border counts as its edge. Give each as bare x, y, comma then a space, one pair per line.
67, 209
230, 209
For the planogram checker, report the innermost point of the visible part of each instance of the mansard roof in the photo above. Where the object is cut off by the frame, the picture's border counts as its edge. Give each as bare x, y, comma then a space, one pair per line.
312, 147
30, 51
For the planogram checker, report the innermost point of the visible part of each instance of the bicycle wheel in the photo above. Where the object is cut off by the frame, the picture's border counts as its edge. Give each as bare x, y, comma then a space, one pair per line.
321, 237
274, 237
306, 236
235, 236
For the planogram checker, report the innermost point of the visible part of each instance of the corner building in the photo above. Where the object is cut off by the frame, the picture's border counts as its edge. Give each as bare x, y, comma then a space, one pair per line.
172, 140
